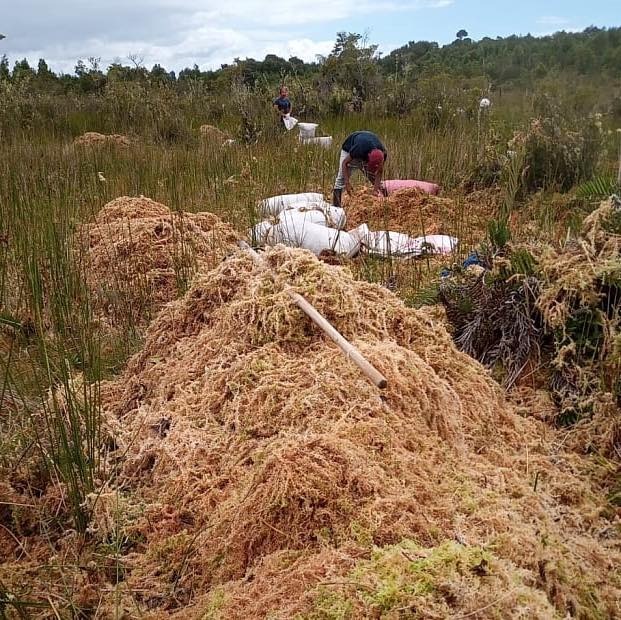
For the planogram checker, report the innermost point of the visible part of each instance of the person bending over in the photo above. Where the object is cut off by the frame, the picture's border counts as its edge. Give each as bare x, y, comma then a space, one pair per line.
364, 151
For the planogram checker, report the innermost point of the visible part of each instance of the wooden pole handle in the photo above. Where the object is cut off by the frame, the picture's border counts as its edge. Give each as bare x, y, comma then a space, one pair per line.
347, 347
352, 353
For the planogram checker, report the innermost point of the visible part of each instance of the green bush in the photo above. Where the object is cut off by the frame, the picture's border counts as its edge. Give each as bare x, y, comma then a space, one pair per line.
558, 153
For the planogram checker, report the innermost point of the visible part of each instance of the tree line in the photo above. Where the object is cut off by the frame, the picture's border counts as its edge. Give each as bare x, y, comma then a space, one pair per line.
354, 72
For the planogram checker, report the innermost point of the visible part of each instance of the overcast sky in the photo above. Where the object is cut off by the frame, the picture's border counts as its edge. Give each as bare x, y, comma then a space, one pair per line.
180, 33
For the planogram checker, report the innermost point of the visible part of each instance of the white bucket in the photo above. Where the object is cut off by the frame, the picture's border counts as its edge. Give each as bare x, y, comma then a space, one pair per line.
307, 130
324, 141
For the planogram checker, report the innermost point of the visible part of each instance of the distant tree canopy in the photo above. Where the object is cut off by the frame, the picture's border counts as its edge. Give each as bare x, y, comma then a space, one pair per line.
354, 71
516, 60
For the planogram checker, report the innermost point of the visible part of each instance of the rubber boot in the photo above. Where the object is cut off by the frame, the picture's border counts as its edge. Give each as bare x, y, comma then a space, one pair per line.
336, 197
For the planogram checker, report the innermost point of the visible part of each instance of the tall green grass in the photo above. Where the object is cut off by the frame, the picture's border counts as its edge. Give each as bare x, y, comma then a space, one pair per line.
53, 339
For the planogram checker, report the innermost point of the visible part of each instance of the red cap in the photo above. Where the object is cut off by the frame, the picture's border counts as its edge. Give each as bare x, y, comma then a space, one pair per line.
375, 160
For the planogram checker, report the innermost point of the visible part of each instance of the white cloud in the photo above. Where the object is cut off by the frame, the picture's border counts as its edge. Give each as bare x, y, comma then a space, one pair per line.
553, 20
547, 33
306, 49
554, 23
180, 33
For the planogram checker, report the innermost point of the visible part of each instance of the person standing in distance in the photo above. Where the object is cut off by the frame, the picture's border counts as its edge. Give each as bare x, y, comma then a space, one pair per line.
282, 104
364, 151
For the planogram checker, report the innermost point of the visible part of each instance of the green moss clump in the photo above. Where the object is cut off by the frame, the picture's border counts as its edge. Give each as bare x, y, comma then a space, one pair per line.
409, 581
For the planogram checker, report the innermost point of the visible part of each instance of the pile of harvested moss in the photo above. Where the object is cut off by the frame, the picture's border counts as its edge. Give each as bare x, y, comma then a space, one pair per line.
259, 452
258, 474
140, 255
575, 273
580, 302
415, 212
209, 133
92, 138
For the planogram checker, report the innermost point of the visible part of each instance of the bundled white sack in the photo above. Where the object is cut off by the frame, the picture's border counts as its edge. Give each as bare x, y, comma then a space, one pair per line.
307, 130
289, 121
324, 141
276, 204
298, 232
259, 232
439, 244
388, 243
290, 220
361, 233
297, 219
334, 217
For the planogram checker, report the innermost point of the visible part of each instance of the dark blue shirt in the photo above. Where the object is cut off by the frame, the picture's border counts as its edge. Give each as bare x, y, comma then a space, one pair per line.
283, 103
360, 143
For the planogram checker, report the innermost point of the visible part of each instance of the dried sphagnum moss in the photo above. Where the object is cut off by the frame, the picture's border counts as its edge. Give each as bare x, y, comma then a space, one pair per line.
94, 139
581, 284
140, 255
268, 466
417, 213
212, 134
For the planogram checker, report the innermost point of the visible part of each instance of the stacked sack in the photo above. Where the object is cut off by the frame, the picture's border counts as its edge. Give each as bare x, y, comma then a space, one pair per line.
308, 221
304, 221
307, 135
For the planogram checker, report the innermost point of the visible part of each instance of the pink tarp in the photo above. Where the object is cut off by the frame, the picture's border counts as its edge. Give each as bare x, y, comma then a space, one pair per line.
394, 185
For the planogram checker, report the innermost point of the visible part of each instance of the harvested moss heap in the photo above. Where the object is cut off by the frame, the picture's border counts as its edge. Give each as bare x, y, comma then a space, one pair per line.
415, 212
94, 139
256, 464
212, 134
255, 473
140, 255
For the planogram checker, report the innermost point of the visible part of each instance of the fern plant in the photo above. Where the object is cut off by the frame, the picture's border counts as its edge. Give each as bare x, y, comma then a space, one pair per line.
598, 188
